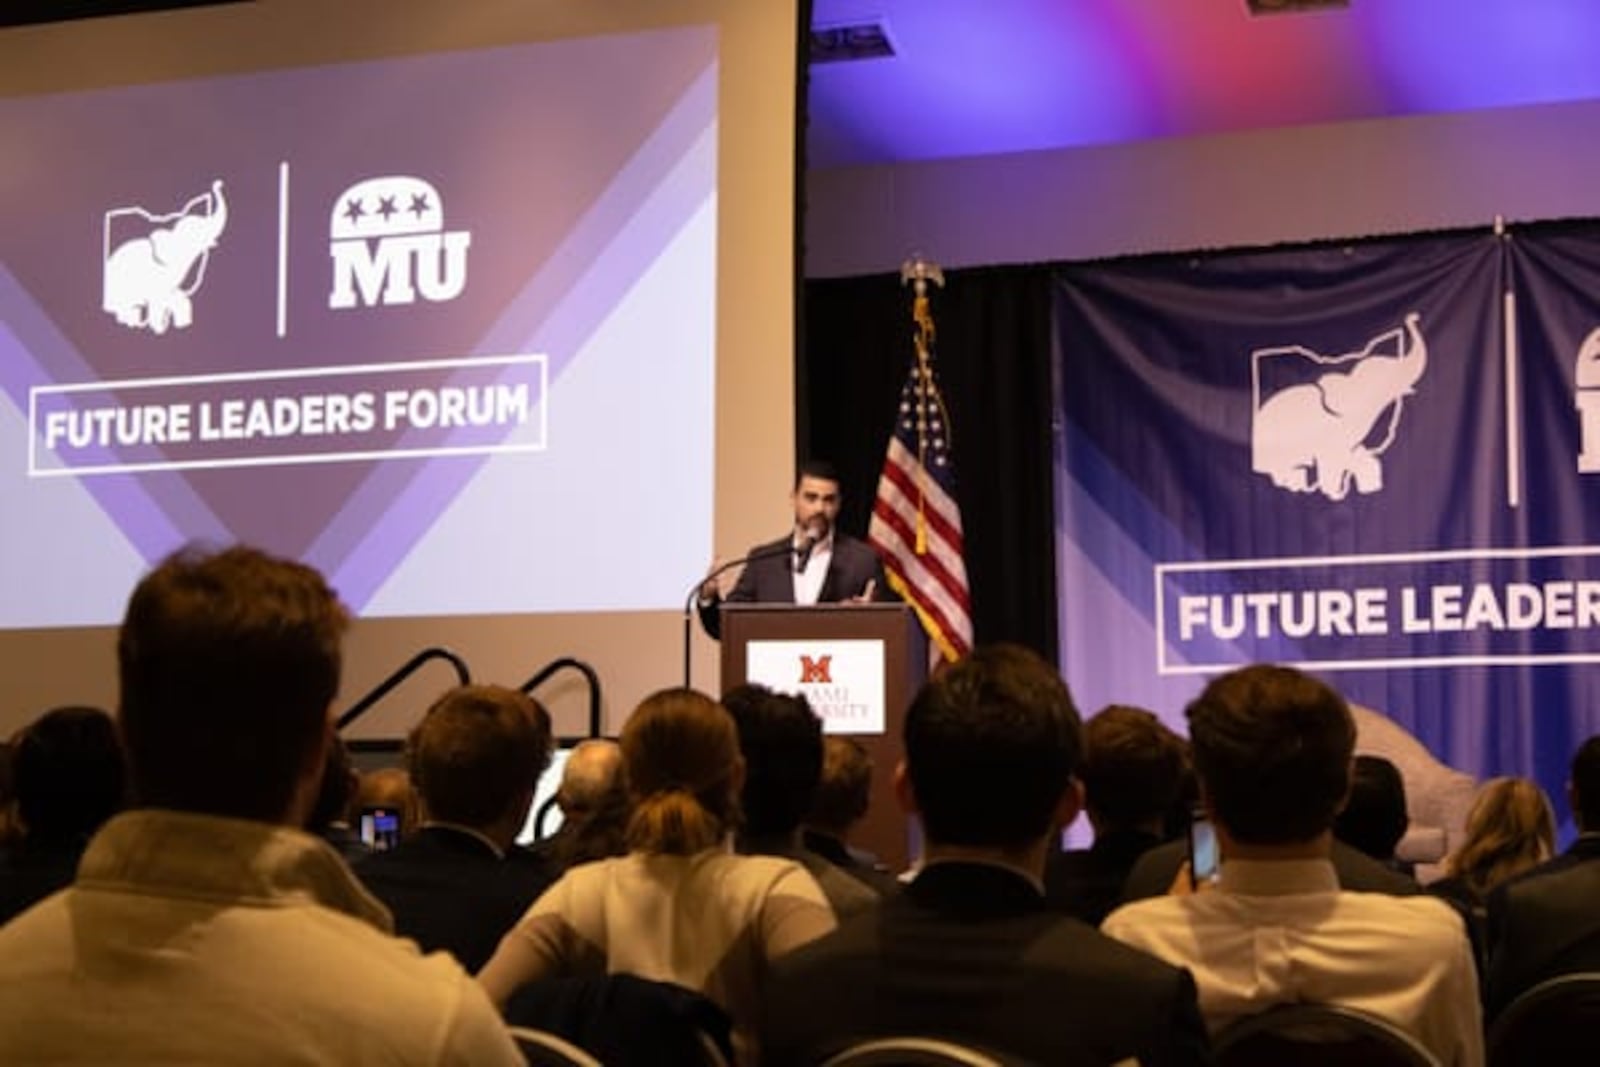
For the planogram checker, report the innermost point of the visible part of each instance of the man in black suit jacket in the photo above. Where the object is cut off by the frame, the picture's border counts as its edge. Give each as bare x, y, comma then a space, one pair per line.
458, 884
1133, 773
813, 564
969, 952
1546, 922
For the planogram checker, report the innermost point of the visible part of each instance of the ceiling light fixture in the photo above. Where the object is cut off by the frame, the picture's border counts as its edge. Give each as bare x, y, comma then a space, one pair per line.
845, 43
1287, 7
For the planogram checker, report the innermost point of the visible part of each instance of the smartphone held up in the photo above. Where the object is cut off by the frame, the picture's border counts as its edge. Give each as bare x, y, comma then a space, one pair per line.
1204, 858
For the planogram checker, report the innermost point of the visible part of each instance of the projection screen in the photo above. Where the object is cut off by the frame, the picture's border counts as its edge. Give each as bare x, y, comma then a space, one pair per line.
484, 309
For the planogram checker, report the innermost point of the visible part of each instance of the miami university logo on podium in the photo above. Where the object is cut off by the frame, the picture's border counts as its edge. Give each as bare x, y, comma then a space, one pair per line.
816, 670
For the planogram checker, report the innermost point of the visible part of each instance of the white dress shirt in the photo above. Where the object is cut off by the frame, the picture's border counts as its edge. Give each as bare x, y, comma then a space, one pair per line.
1284, 932
808, 580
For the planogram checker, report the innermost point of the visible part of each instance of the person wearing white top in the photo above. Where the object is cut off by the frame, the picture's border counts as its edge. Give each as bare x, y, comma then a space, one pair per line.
1272, 750
680, 907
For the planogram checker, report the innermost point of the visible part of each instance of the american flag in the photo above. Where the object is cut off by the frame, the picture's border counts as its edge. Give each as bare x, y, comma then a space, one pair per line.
916, 522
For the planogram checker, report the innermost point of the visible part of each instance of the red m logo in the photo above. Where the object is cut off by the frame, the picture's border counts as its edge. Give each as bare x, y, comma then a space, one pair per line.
816, 671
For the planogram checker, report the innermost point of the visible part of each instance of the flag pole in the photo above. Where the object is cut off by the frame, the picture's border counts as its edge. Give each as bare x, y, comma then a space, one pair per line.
919, 272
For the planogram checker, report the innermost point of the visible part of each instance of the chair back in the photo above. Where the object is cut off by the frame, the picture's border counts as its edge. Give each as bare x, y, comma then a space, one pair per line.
543, 1049
1555, 1022
911, 1052
1317, 1035
628, 1021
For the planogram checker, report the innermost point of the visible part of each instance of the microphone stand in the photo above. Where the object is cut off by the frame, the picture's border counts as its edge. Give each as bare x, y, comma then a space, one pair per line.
694, 594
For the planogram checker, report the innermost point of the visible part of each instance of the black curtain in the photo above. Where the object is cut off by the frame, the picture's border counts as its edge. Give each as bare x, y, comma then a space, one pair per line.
993, 361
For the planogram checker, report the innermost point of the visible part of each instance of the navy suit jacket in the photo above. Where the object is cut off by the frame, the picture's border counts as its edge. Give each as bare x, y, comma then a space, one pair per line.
1544, 923
968, 952
769, 578
449, 891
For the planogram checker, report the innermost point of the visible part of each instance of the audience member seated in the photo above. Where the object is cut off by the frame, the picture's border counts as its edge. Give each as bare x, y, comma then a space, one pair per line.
391, 789
680, 907
204, 925
1272, 748
1438, 796
330, 815
475, 760
1510, 829
781, 742
68, 778
1374, 819
1547, 922
844, 792
1155, 870
593, 798
968, 951
1133, 768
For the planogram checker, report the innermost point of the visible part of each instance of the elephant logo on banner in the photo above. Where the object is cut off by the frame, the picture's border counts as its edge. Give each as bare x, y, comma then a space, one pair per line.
1331, 418
151, 276
388, 243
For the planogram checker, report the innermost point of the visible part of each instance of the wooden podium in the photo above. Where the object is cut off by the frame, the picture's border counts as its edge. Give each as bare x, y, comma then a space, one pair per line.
859, 665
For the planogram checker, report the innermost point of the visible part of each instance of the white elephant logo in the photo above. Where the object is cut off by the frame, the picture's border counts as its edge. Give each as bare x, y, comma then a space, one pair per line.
150, 277
1326, 434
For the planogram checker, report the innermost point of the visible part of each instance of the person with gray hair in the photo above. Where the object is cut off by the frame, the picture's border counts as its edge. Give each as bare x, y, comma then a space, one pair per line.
593, 798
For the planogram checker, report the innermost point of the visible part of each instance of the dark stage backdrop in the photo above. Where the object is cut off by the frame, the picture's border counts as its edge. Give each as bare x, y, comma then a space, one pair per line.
993, 360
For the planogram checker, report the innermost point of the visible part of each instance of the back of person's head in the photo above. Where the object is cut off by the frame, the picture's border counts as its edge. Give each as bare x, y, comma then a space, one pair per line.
228, 662
992, 743
1584, 785
680, 753
1510, 828
1272, 748
781, 741
476, 756
1133, 767
337, 789
67, 774
592, 774
1374, 819
845, 789
595, 806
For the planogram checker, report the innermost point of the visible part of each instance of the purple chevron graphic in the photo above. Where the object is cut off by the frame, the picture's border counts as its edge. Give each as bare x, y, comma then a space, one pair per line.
448, 224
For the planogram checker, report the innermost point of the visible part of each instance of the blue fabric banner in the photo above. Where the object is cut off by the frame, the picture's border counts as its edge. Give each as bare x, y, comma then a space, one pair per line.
1365, 460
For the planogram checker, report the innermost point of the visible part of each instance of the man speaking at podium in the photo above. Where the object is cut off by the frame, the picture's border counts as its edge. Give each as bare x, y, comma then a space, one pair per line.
812, 564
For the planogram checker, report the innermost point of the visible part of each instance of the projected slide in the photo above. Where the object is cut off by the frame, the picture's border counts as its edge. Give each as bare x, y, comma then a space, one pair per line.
442, 326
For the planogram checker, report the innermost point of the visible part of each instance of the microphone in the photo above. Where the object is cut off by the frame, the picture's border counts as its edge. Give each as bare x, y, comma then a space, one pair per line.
768, 552
802, 554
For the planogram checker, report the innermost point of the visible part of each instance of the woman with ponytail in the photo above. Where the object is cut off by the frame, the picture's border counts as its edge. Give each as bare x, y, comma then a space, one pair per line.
680, 907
